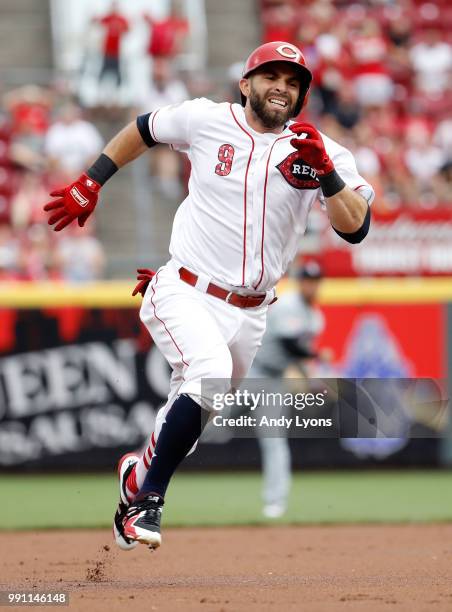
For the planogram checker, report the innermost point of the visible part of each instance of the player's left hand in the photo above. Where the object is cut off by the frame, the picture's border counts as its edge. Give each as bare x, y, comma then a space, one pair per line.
144, 277
312, 147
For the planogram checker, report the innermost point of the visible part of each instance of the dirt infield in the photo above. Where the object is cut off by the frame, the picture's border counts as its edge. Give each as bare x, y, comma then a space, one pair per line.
255, 569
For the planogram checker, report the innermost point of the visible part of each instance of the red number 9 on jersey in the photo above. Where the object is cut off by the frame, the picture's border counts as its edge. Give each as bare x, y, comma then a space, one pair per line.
225, 156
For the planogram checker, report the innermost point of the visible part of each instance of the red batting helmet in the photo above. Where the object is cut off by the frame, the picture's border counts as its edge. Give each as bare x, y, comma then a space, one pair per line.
279, 51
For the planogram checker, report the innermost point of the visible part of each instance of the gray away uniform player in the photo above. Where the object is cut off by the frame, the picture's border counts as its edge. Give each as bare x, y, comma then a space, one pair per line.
293, 324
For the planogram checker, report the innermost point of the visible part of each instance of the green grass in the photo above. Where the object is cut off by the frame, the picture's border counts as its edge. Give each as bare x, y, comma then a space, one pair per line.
31, 502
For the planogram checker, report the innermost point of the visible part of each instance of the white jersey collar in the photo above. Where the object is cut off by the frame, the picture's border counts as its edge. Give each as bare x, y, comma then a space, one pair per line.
239, 113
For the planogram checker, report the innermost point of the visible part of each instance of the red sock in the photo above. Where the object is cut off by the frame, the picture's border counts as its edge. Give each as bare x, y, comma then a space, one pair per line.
138, 474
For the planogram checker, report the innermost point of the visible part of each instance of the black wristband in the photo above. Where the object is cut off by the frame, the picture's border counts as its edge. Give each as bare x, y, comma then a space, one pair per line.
330, 184
102, 169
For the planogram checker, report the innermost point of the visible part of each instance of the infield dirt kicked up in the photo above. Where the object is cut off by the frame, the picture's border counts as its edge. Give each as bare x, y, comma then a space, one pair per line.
312, 568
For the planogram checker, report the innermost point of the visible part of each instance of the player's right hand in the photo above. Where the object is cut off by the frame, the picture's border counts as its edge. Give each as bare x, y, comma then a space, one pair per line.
76, 201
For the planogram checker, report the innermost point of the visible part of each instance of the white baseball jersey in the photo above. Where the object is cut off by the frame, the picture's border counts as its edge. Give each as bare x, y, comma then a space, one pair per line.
249, 193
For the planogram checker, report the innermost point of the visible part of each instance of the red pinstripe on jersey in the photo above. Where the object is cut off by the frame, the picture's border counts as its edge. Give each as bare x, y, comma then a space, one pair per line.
244, 192
264, 207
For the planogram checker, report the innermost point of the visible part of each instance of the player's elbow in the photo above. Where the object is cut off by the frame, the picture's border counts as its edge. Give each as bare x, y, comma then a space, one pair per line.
357, 236
352, 238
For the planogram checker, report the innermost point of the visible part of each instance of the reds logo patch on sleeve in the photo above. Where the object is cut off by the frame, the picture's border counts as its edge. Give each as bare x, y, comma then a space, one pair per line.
298, 173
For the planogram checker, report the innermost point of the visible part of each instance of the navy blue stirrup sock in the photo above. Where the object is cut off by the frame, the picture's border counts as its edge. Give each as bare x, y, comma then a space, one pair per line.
182, 427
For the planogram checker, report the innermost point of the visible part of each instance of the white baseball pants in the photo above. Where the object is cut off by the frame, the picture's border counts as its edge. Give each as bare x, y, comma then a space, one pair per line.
201, 336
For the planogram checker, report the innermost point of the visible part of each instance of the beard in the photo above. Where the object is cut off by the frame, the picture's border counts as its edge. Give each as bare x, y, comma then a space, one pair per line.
270, 118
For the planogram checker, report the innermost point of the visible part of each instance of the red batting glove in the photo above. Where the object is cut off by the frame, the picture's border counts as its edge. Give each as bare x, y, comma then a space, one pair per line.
144, 276
76, 201
311, 147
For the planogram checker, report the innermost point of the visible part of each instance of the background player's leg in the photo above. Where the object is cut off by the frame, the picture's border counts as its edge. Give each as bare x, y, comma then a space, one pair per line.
275, 451
275, 454
276, 469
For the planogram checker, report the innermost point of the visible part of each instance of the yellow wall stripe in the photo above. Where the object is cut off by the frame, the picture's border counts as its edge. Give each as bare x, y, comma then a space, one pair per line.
118, 293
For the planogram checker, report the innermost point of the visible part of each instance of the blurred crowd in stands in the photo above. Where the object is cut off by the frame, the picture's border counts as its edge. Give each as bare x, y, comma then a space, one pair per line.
47, 140
44, 143
382, 86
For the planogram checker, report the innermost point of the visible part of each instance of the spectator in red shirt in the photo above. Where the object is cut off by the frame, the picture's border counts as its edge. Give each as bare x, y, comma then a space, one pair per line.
29, 108
115, 25
280, 23
368, 54
168, 36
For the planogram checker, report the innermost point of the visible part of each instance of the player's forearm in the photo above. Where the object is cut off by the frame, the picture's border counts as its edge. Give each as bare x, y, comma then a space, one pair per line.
123, 148
126, 146
346, 210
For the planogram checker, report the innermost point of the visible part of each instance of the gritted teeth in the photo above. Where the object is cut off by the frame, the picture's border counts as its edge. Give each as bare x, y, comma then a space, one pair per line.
282, 103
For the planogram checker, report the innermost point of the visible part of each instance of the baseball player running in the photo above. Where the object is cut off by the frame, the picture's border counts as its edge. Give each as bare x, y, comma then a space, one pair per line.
254, 177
